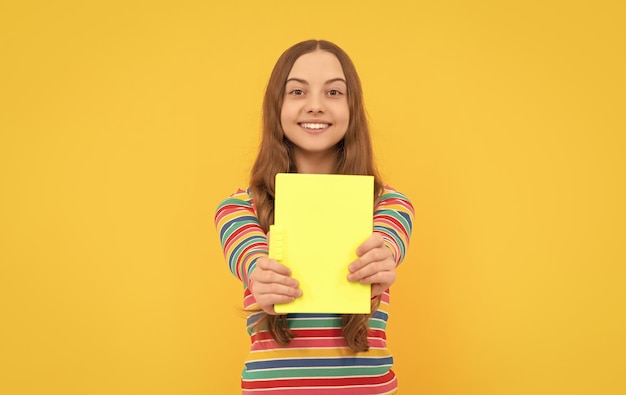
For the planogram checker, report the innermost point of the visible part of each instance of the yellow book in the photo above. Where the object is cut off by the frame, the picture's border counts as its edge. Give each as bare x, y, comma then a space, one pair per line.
319, 221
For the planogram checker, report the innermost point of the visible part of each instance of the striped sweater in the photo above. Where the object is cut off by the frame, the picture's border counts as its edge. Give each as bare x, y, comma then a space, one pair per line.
318, 360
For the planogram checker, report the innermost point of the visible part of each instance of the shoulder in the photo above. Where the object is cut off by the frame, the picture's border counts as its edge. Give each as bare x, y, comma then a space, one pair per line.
241, 199
392, 197
394, 207
241, 194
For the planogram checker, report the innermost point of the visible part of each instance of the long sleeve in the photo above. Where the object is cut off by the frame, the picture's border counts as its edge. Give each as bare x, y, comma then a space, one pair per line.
318, 360
393, 219
242, 238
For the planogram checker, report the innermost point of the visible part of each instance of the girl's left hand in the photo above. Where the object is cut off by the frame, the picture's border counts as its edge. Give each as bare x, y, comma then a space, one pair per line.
375, 265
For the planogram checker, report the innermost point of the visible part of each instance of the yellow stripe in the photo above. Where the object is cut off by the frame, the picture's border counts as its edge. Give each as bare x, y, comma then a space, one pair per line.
314, 353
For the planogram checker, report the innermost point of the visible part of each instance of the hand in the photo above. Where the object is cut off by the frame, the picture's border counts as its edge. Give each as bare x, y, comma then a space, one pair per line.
375, 265
271, 283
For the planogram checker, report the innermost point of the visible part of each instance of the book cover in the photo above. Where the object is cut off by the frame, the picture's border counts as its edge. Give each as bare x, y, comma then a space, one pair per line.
319, 221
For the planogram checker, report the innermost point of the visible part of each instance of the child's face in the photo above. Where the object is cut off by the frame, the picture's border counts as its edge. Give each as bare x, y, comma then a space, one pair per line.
315, 111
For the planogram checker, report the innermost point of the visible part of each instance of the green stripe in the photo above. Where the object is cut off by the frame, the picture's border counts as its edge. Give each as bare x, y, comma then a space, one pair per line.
315, 323
378, 324
332, 323
314, 372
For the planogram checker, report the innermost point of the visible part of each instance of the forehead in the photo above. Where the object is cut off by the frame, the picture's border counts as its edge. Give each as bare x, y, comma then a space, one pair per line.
317, 66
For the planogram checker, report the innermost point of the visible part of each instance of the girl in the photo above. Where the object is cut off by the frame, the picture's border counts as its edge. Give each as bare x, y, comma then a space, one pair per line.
313, 122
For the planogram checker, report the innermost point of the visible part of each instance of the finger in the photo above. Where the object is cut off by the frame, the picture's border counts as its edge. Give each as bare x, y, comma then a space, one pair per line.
374, 241
383, 278
270, 277
370, 270
267, 302
271, 299
264, 289
273, 265
267, 307
373, 255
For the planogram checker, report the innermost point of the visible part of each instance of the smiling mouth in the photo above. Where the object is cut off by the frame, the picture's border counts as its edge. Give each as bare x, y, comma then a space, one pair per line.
314, 126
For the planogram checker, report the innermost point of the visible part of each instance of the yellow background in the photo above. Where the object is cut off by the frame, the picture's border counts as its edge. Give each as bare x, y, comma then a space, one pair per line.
123, 124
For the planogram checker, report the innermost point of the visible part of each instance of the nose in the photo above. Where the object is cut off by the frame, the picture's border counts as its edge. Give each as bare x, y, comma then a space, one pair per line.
315, 104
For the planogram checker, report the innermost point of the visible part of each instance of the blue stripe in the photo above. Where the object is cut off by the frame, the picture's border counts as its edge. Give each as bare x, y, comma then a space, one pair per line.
380, 315
252, 320
319, 362
245, 244
407, 218
247, 219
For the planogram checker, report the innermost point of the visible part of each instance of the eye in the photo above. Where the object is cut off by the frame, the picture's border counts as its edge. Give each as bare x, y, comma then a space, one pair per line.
296, 92
334, 92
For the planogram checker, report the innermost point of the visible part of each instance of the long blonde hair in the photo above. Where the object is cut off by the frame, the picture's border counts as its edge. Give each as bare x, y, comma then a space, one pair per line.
354, 156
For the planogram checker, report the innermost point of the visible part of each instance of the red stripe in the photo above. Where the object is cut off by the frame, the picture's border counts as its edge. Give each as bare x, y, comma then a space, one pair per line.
240, 260
235, 239
384, 218
230, 208
319, 382
243, 229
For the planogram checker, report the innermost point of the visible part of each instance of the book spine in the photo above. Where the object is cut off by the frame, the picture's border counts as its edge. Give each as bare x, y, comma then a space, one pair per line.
276, 242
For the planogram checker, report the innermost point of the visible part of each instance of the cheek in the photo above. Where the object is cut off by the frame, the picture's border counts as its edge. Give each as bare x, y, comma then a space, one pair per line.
346, 112
286, 113
283, 115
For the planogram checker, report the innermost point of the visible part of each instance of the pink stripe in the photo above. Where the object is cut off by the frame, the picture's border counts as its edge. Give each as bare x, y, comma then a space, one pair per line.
248, 299
378, 389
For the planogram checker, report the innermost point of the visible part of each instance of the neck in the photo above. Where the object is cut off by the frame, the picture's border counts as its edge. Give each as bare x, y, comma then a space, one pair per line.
315, 162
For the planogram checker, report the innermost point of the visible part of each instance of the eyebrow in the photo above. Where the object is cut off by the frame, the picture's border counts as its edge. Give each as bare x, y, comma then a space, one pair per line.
307, 83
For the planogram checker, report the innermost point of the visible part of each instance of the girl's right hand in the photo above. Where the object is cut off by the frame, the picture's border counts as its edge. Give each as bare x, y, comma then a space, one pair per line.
271, 283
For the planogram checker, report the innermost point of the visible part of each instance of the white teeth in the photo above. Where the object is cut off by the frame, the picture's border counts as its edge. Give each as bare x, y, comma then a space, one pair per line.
314, 125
